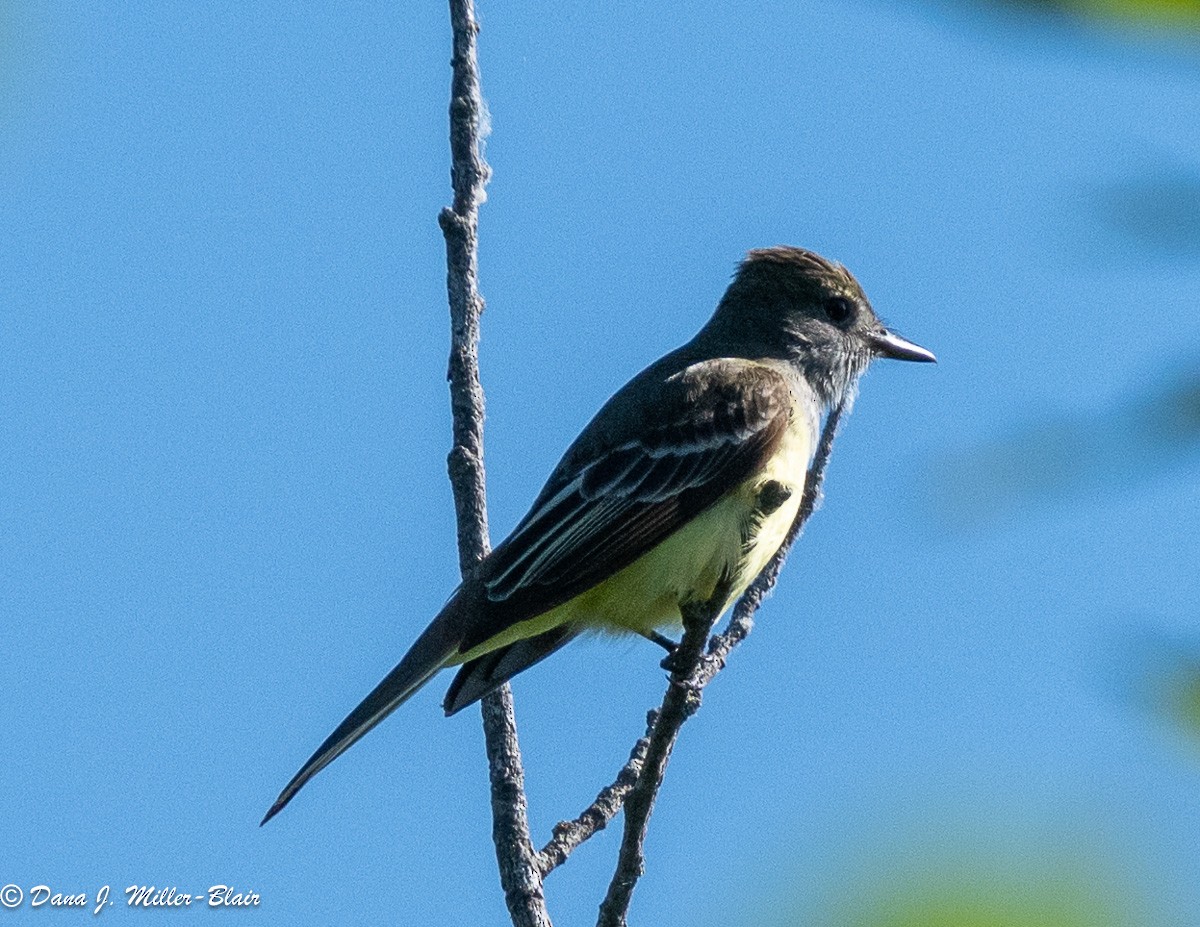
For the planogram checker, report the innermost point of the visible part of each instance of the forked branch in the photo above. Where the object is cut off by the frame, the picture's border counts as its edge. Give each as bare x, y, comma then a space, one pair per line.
692, 666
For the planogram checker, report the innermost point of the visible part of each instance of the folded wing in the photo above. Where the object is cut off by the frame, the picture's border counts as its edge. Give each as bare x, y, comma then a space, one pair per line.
711, 427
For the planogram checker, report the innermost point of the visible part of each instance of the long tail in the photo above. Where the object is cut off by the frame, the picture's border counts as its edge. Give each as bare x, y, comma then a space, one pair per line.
428, 655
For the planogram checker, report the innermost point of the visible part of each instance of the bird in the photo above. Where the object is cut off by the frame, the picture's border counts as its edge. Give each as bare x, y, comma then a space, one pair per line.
683, 486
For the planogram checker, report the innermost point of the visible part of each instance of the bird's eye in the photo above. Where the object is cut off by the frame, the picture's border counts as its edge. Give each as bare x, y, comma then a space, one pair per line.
838, 309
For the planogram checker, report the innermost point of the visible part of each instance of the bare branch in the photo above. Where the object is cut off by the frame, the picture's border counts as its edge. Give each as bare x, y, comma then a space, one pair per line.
519, 873
596, 816
521, 869
693, 669
459, 225
680, 703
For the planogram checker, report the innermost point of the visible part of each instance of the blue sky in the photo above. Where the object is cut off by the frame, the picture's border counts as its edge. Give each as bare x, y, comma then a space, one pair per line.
223, 505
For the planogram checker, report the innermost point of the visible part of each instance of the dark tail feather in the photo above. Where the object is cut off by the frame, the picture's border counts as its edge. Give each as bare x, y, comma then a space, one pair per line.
419, 665
483, 674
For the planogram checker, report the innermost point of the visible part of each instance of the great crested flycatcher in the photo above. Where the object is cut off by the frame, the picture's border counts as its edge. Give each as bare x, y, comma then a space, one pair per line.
689, 476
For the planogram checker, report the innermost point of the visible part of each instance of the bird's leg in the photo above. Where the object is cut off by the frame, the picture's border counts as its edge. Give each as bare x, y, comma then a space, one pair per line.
664, 642
698, 620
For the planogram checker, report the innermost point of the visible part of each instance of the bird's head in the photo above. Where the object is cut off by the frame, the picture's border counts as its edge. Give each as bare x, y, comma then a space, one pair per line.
794, 305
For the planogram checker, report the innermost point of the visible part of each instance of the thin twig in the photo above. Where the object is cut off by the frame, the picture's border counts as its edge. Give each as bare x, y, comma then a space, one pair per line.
520, 876
596, 816
694, 669
681, 701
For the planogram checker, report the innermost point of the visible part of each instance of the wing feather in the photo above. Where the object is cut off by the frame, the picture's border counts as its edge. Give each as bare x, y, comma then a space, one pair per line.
710, 432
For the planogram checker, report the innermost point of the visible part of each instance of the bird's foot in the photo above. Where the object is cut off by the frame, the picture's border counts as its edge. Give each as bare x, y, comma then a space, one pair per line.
671, 661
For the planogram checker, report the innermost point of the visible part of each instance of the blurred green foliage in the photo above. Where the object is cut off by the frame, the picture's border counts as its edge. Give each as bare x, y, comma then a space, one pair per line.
982, 888
1180, 698
1187, 702
985, 900
1168, 14
1159, 672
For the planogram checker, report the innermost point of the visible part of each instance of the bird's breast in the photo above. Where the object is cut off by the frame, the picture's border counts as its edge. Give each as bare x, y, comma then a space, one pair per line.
770, 500
737, 536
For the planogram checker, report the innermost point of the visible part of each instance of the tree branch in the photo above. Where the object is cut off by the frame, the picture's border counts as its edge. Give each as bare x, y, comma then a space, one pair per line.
520, 876
693, 669
520, 873
680, 703
596, 816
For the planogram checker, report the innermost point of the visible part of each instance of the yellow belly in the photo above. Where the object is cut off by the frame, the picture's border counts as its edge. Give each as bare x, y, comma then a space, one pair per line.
646, 595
